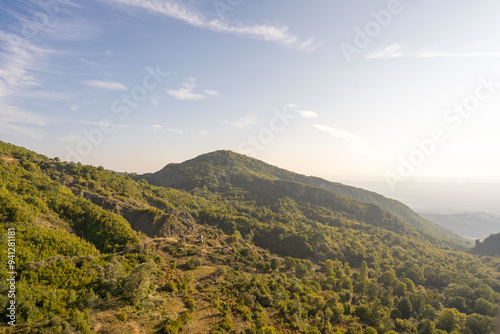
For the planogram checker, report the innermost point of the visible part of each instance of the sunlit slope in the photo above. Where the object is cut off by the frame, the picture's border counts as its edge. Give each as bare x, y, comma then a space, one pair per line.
217, 170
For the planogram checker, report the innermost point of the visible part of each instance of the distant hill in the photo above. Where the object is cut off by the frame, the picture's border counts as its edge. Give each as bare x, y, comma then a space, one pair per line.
490, 246
217, 170
476, 225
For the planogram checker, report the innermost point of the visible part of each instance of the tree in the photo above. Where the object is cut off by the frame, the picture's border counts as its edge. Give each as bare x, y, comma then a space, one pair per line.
370, 330
405, 326
416, 274
136, 284
345, 283
410, 286
450, 320
354, 328
478, 324
275, 263
387, 277
400, 289
363, 271
484, 307
426, 326
458, 303
363, 312
405, 307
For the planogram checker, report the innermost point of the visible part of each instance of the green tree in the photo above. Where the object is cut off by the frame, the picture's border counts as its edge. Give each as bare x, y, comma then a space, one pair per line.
136, 284
426, 326
354, 328
405, 307
387, 277
410, 286
450, 320
275, 263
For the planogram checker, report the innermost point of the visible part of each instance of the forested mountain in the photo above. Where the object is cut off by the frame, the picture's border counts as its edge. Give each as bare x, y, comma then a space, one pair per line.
242, 248
217, 170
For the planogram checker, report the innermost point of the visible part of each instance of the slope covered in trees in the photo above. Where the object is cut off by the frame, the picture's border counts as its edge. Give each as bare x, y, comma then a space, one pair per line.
489, 246
219, 171
98, 252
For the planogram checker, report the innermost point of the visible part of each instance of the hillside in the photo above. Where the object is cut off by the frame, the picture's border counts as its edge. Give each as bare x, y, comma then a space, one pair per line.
476, 225
97, 252
489, 246
217, 170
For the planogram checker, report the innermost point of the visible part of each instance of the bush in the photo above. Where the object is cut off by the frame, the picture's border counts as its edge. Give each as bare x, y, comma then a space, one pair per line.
193, 263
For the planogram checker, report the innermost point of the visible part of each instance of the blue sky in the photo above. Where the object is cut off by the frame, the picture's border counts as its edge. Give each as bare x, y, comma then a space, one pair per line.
389, 89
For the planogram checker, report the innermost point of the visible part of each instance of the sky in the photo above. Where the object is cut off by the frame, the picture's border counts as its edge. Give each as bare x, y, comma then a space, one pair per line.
396, 89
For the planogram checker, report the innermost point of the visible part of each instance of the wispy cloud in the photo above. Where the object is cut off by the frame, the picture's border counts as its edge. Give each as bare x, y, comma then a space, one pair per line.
243, 122
158, 127
307, 113
16, 128
73, 137
201, 134
391, 51
89, 62
350, 138
187, 93
433, 54
55, 21
193, 17
395, 51
302, 113
20, 61
211, 92
43, 94
107, 85
104, 124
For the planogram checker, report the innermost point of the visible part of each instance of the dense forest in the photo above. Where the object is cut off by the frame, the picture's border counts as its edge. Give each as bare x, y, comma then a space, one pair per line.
227, 244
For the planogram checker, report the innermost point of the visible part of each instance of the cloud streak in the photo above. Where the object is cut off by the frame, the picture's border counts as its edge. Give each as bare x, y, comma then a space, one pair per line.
186, 93
20, 60
395, 51
352, 139
192, 17
243, 122
201, 134
107, 85
302, 113
307, 113
458, 55
391, 51
158, 127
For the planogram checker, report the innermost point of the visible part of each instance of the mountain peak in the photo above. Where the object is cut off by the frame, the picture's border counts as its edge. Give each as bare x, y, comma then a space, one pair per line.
217, 170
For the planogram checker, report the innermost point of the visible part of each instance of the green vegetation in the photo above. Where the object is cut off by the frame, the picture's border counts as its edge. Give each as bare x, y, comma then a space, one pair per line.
99, 252
217, 170
489, 246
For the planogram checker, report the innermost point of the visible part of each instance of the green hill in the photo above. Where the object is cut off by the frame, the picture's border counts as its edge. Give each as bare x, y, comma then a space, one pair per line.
218, 170
98, 252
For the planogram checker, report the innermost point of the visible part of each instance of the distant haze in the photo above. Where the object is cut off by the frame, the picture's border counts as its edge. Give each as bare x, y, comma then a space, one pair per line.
440, 197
